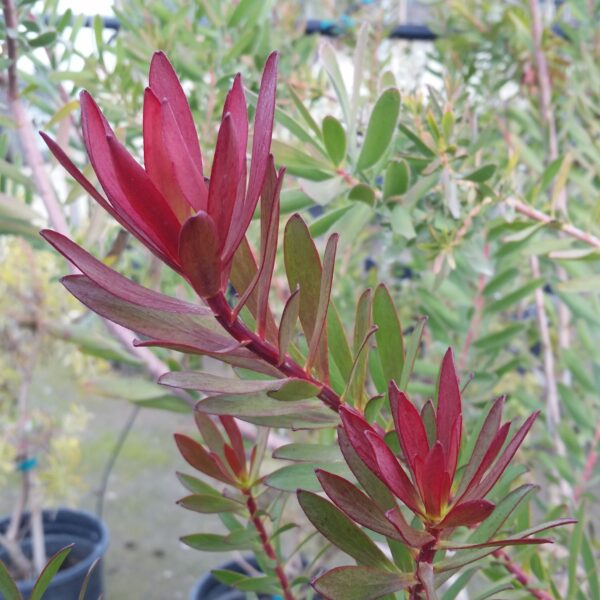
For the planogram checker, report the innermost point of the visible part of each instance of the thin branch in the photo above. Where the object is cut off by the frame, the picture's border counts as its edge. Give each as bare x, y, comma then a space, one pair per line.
590, 463
517, 572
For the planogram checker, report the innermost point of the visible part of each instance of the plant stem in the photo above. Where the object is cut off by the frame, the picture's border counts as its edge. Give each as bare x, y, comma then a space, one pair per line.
520, 575
267, 351
267, 547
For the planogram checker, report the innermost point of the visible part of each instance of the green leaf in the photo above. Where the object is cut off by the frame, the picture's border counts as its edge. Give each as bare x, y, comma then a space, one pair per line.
361, 583
390, 341
397, 178
263, 410
482, 174
15, 174
508, 301
299, 452
362, 192
421, 146
330, 62
287, 325
299, 163
303, 269
498, 339
339, 348
48, 573
330, 218
402, 223
210, 503
342, 532
334, 137
8, 588
305, 114
195, 485
292, 477
574, 551
44, 39
500, 280
266, 584
209, 542
381, 128
412, 349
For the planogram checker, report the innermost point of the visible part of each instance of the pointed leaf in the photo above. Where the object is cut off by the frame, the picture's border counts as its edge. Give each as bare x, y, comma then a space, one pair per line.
50, 570
412, 350
289, 316
468, 513
411, 536
355, 504
301, 475
341, 531
361, 583
210, 542
449, 401
338, 342
199, 458
8, 587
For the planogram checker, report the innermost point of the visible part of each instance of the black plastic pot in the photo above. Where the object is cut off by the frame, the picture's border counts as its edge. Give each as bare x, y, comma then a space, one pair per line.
209, 588
90, 538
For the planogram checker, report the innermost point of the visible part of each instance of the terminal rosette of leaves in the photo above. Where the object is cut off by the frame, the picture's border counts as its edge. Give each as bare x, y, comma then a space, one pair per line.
414, 495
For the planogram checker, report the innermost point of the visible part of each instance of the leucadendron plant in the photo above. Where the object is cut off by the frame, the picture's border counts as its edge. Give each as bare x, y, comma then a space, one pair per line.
402, 473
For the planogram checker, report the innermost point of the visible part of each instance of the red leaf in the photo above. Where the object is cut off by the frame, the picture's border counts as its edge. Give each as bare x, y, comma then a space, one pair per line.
126, 184
357, 505
114, 282
157, 162
199, 254
165, 84
355, 427
233, 460
121, 217
235, 104
199, 458
489, 457
432, 479
261, 146
392, 474
449, 404
452, 451
409, 426
412, 537
500, 465
486, 435
468, 513
224, 178
235, 437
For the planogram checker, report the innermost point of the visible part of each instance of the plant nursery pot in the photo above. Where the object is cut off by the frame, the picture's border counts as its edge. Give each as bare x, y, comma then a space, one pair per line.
209, 588
90, 538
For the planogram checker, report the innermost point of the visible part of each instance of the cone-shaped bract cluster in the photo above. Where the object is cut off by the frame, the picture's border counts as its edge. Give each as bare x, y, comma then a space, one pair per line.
191, 223
425, 479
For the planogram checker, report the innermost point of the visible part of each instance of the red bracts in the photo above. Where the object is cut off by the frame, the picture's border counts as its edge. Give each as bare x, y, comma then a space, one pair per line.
425, 479
191, 223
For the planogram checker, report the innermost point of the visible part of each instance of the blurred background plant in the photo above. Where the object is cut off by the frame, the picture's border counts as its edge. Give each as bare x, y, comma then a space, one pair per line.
463, 173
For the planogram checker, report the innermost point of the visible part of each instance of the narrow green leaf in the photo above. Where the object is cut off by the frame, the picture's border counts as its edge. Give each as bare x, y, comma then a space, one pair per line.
412, 349
329, 59
381, 128
390, 341
498, 339
209, 503
334, 138
304, 112
482, 174
287, 325
302, 475
44, 39
323, 224
509, 301
338, 342
50, 570
195, 485
8, 588
342, 532
210, 542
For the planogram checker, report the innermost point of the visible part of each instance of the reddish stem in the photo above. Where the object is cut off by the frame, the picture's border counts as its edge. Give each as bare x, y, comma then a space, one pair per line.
267, 547
590, 463
520, 575
266, 350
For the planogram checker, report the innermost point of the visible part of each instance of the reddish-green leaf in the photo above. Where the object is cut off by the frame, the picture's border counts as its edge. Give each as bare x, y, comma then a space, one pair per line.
341, 531
199, 458
210, 504
338, 342
191, 331
361, 583
289, 316
468, 513
263, 410
355, 504
320, 328
368, 480
411, 536
390, 342
303, 268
